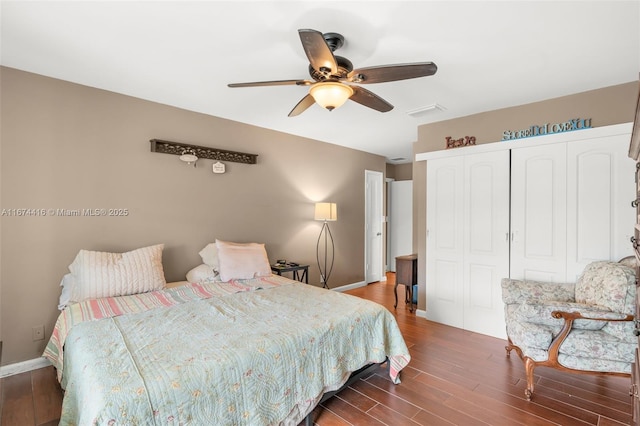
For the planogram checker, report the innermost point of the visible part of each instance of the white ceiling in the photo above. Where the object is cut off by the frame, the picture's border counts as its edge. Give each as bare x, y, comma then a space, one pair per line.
489, 55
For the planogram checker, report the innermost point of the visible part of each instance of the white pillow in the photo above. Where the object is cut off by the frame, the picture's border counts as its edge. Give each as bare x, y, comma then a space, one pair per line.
101, 274
242, 261
203, 274
67, 284
209, 256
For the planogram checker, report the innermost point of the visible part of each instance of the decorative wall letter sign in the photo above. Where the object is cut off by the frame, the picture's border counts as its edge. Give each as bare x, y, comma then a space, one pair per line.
454, 143
548, 129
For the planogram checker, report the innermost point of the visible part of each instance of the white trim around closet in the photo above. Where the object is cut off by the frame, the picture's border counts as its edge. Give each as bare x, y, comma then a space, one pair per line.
578, 135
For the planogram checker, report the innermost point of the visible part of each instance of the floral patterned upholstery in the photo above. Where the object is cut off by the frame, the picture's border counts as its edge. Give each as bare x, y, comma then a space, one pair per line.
599, 335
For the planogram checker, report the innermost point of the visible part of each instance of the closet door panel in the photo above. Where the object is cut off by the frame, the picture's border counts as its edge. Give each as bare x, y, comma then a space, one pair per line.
444, 241
538, 213
443, 293
486, 243
480, 296
599, 209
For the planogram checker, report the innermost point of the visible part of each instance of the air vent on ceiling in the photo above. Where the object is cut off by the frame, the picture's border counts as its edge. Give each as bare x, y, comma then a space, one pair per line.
418, 112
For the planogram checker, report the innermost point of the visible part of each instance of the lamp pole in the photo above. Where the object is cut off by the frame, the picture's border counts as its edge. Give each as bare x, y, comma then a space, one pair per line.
325, 272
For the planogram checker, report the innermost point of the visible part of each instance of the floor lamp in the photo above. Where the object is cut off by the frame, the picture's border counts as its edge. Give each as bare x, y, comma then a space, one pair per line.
327, 212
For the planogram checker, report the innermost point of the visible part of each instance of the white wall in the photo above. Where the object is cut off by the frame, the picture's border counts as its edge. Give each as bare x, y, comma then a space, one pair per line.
400, 220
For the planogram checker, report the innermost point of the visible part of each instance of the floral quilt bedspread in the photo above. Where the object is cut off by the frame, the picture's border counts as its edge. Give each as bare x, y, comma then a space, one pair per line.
259, 351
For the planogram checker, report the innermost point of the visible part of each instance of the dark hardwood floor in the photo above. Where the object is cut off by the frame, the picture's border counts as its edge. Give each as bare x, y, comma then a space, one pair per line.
454, 377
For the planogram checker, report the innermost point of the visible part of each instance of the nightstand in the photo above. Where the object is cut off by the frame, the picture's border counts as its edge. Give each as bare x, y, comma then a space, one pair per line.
300, 272
406, 275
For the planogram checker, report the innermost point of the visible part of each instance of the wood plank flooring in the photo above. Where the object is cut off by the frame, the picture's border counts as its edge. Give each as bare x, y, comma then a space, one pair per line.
455, 377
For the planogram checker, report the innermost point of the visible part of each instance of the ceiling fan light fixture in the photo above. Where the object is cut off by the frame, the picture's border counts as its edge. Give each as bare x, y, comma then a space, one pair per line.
330, 94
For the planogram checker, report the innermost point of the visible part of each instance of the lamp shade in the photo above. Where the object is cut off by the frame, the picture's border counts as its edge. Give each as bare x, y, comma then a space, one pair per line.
330, 94
326, 211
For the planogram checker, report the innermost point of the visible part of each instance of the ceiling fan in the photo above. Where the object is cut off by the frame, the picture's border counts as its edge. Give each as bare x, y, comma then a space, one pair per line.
332, 75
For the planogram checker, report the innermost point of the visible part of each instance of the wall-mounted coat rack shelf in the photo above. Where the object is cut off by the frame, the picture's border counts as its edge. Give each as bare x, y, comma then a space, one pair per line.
176, 148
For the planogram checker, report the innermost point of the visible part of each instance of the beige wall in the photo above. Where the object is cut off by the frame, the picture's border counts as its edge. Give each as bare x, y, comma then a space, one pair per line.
611, 105
66, 146
400, 171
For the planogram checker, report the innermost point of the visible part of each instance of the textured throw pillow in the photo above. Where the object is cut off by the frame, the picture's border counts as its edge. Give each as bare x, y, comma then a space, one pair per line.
203, 274
102, 274
209, 256
242, 261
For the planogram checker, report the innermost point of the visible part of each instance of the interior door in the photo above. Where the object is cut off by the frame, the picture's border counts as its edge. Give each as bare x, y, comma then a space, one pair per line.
539, 213
374, 249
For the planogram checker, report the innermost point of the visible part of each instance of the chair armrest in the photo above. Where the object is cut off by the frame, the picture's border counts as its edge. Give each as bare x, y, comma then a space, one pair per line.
592, 316
520, 291
569, 318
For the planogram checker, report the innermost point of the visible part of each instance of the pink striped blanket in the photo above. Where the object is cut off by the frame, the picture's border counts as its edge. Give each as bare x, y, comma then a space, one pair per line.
96, 309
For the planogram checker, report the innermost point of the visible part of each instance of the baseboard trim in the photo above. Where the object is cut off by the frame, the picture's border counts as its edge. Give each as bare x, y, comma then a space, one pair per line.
349, 286
420, 313
24, 366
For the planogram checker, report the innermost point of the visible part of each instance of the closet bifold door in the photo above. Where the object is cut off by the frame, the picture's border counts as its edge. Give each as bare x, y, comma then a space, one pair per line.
599, 211
468, 240
486, 241
444, 240
539, 213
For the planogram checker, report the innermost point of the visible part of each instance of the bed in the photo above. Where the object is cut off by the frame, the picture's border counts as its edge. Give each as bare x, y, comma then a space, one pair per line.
258, 351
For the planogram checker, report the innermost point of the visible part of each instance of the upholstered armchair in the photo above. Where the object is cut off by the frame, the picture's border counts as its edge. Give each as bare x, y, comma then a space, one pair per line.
584, 327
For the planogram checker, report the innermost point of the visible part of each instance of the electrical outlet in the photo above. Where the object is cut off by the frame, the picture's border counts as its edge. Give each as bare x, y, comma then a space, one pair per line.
37, 332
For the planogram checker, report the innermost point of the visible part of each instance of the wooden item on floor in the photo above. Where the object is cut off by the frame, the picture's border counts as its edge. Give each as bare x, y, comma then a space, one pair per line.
406, 275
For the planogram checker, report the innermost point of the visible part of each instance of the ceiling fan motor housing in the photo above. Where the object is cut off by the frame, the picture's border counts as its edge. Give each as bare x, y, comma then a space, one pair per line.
334, 41
344, 67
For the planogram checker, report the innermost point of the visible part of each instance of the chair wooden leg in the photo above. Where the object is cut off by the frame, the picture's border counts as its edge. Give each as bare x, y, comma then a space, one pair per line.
511, 347
529, 366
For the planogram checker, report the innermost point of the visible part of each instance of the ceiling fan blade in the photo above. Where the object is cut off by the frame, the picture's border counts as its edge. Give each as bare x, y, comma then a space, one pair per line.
384, 73
273, 83
302, 106
318, 51
370, 99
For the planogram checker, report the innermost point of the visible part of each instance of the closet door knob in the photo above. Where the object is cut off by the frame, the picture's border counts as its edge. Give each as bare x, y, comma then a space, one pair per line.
634, 203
